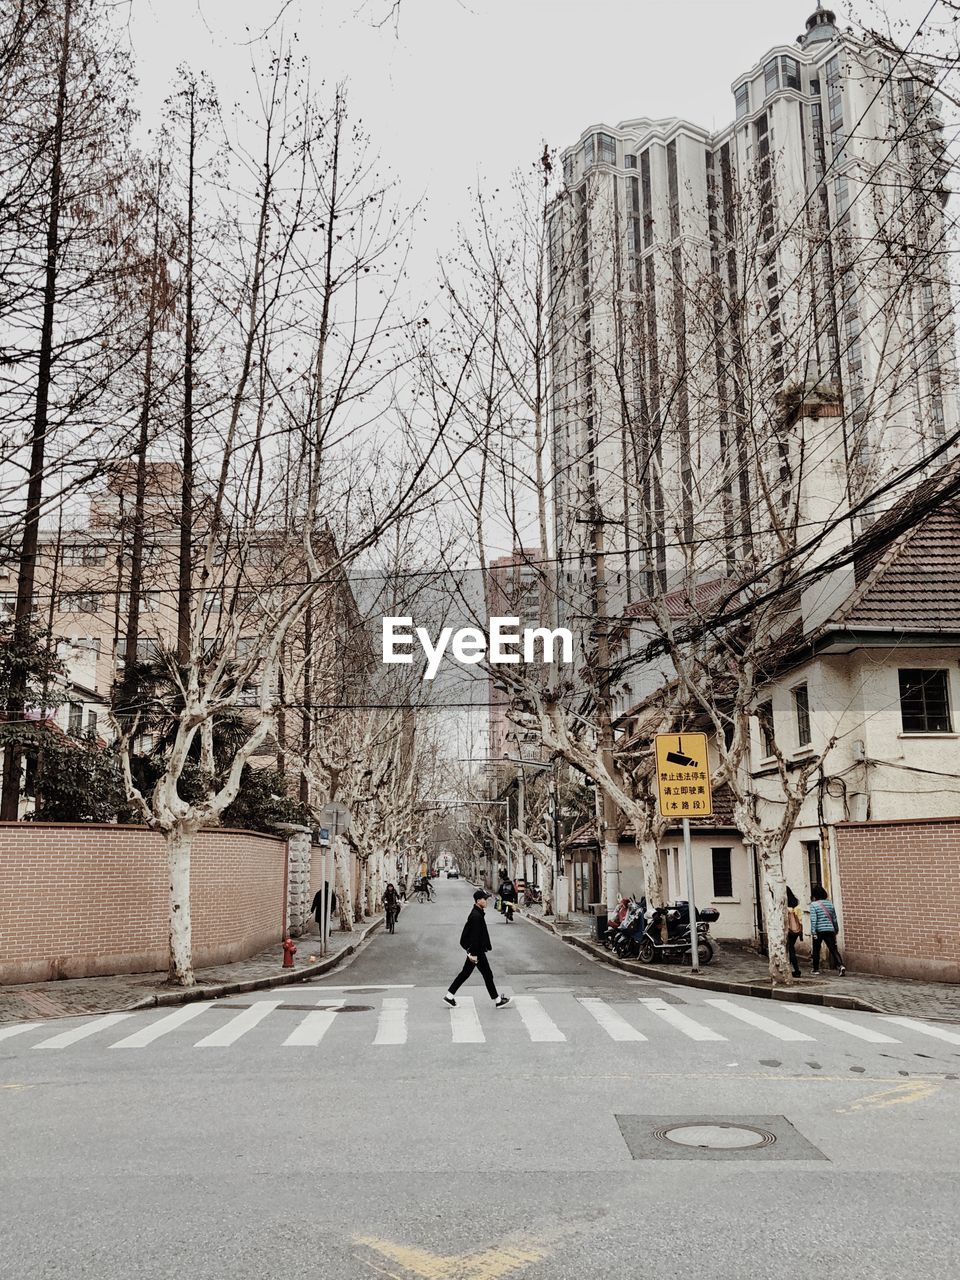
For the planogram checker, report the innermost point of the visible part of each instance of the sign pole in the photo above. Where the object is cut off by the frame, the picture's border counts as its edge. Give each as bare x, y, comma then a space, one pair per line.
691, 898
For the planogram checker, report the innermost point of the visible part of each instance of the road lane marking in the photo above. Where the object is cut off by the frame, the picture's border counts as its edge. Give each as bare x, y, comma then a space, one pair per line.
315, 1025
231, 1031
464, 1023
758, 1020
6, 1032
488, 1264
140, 1039
851, 1028
924, 1028
909, 1091
540, 1026
392, 1023
616, 1026
80, 1033
680, 1021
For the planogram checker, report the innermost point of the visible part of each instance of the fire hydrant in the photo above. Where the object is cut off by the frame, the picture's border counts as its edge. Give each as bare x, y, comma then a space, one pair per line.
289, 951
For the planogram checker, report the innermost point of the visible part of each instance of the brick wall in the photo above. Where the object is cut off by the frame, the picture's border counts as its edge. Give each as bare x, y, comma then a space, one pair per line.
81, 899
900, 895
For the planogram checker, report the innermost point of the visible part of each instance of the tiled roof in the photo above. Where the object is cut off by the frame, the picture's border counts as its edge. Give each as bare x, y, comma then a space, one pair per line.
913, 585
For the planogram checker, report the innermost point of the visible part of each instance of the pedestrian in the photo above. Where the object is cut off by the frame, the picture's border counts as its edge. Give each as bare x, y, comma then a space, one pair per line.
316, 907
475, 940
508, 896
794, 924
823, 928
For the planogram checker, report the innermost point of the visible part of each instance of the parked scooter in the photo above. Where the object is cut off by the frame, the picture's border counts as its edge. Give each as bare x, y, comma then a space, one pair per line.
652, 946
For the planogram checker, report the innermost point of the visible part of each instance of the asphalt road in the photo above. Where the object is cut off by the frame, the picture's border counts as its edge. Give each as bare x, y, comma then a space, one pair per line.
262, 1136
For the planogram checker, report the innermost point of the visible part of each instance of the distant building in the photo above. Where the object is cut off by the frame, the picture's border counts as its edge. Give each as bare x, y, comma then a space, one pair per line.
700, 276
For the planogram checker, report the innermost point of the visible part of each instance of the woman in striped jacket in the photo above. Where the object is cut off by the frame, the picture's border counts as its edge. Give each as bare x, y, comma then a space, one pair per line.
823, 928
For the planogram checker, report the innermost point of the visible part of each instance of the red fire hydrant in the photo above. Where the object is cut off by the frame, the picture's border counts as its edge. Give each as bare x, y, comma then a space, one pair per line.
289, 951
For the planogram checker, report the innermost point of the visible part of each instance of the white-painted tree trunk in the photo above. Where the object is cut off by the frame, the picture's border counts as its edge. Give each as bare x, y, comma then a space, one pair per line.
179, 846
773, 893
343, 887
361, 890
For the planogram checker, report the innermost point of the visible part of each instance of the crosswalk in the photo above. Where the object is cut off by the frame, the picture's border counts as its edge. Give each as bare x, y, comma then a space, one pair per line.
416, 1017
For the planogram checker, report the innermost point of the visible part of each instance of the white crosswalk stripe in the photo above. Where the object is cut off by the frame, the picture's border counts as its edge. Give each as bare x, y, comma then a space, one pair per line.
924, 1028
616, 1026
146, 1035
6, 1032
841, 1024
245, 1021
540, 1026
73, 1034
464, 1024
392, 1023
315, 1025
682, 1022
758, 1020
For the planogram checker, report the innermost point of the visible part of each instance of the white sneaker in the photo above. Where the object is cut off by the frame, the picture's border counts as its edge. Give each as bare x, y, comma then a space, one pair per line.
448, 999
501, 1001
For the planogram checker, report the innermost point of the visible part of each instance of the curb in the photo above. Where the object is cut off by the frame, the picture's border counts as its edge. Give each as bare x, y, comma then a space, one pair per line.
285, 978
662, 973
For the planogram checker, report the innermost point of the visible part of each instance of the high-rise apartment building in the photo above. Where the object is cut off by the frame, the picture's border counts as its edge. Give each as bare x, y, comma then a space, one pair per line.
707, 282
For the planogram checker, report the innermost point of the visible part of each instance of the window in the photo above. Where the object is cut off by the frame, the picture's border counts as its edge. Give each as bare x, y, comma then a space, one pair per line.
588, 152
75, 718
765, 718
790, 71
722, 873
80, 602
630, 162
568, 170
924, 701
741, 98
149, 601
92, 723
673, 185
814, 871
771, 77
801, 707
606, 149
75, 554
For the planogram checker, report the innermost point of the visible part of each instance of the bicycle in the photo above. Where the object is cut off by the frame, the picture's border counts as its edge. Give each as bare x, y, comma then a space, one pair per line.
391, 919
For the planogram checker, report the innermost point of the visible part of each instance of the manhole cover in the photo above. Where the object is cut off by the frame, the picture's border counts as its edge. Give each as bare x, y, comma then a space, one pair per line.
716, 1137
702, 1137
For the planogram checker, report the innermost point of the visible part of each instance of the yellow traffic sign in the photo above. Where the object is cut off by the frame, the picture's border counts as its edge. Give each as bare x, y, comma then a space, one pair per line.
683, 775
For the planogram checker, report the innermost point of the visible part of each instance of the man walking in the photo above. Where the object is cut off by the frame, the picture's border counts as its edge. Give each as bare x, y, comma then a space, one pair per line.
475, 940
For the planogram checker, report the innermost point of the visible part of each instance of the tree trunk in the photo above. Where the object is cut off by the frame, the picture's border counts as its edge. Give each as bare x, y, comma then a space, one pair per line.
652, 872
343, 887
773, 892
179, 846
361, 891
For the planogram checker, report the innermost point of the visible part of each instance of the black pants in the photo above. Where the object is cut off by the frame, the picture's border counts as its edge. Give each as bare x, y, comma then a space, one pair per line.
508, 909
830, 939
483, 968
792, 940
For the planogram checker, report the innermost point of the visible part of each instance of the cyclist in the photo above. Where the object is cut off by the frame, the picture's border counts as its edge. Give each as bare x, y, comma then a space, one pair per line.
508, 896
391, 906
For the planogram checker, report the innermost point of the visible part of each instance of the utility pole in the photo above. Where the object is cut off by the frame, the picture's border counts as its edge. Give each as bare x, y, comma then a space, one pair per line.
611, 844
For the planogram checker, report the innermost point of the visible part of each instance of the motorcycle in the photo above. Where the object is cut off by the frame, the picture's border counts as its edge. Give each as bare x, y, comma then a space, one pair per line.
651, 946
623, 939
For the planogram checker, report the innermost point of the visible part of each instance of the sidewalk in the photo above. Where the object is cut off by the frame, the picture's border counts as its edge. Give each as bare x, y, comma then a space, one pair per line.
742, 972
122, 992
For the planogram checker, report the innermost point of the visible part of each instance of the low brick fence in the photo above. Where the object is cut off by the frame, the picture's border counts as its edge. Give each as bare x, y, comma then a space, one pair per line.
83, 899
900, 897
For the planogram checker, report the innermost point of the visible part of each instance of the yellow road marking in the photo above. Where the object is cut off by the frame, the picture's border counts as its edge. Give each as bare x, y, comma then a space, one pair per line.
488, 1264
16, 1086
909, 1091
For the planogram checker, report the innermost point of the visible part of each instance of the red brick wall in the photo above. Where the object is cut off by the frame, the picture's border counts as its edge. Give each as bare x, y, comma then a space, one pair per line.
80, 899
900, 893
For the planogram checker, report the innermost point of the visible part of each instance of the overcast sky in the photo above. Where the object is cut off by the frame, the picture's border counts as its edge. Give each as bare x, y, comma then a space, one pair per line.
461, 87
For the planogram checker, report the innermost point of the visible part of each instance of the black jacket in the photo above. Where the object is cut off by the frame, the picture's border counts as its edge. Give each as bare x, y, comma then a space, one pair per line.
475, 938
508, 891
316, 907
